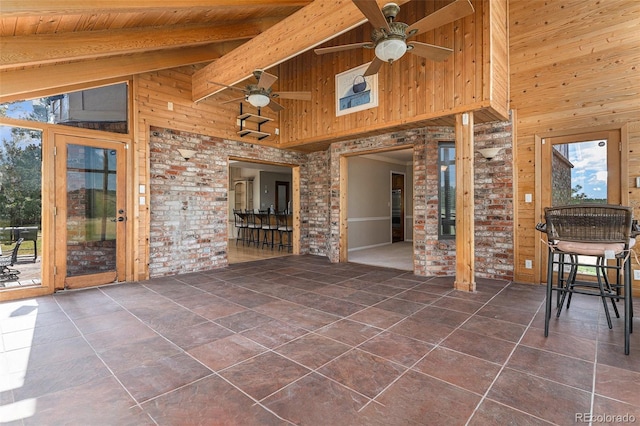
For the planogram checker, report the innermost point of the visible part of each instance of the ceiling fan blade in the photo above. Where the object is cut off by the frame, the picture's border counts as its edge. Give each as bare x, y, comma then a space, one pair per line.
374, 67
275, 106
445, 15
301, 96
233, 100
429, 51
323, 50
372, 12
228, 87
266, 80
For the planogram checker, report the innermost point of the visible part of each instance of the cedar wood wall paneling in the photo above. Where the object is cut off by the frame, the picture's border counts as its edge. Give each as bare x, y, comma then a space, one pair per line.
574, 67
412, 89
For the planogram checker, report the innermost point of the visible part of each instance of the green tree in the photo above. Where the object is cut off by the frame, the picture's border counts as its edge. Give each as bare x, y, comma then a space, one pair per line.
21, 167
20, 182
576, 194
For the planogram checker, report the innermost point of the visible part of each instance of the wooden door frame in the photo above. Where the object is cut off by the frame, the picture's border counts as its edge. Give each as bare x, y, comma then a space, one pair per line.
61, 281
542, 192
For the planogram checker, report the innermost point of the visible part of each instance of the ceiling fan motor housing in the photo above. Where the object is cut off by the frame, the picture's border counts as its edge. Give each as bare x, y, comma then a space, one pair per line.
390, 10
254, 89
397, 30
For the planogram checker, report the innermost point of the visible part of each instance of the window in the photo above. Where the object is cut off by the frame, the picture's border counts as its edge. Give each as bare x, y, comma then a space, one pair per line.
447, 190
102, 108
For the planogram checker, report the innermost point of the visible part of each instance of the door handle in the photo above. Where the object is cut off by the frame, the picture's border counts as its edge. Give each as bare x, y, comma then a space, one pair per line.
118, 219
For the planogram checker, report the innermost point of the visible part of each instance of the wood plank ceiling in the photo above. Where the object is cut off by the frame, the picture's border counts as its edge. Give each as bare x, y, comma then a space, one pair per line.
48, 46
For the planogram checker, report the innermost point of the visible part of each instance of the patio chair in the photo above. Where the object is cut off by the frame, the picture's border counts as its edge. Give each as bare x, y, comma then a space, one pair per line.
600, 231
7, 260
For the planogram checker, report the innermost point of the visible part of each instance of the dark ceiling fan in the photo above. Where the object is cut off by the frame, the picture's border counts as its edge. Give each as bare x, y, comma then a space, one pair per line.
389, 38
260, 94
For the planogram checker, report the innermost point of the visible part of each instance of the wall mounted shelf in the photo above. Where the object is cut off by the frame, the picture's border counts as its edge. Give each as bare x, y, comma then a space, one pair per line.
246, 117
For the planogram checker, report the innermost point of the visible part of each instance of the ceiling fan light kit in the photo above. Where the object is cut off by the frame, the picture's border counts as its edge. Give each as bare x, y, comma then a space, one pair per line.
258, 100
391, 49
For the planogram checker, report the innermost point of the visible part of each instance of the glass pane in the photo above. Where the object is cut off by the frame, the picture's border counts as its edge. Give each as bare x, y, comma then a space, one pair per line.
91, 210
20, 207
102, 108
447, 190
579, 173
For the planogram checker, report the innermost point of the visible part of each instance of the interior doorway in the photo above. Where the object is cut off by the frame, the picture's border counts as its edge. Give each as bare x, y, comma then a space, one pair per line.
379, 206
257, 191
283, 196
397, 207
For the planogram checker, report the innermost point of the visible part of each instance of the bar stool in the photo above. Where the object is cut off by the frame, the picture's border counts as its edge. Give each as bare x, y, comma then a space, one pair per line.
284, 228
241, 225
602, 231
269, 223
253, 226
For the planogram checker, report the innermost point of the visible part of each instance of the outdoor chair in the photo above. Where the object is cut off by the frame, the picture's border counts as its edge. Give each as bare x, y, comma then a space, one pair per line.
601, 232
7, 260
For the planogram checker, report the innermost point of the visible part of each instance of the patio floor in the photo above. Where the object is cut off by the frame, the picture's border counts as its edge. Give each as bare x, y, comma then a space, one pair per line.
298, 340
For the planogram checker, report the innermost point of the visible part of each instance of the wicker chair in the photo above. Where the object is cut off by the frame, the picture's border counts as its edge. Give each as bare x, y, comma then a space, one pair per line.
602, 231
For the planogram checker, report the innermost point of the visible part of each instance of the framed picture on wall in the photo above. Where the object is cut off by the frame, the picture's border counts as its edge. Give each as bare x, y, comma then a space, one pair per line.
354, 92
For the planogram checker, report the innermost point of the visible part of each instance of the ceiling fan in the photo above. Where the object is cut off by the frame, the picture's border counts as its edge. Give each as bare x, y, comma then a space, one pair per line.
389, 38
260, 94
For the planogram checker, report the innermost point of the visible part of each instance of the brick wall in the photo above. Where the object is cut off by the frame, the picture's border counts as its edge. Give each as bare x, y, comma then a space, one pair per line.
315, 203
494, 204
188, 199
431, 257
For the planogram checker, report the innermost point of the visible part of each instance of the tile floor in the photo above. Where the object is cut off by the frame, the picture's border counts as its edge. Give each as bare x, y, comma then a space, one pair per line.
397, 255
297, 340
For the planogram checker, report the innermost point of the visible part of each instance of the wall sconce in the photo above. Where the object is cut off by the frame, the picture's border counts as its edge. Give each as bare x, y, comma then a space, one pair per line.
187, 153
489, 153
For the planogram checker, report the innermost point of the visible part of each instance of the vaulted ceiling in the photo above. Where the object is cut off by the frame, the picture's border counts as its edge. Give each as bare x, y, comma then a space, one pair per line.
46, 44
46, 47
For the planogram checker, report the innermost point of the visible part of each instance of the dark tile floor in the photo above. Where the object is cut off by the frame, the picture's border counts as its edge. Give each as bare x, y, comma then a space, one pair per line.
298, 340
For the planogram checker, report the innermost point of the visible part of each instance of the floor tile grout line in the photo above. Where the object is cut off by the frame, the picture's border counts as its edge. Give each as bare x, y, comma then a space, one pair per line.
183, 351
504, 364
437, 345
113, 374
213, 372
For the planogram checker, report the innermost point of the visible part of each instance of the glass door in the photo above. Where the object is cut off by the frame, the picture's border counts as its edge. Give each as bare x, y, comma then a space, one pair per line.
582, 168
89, 212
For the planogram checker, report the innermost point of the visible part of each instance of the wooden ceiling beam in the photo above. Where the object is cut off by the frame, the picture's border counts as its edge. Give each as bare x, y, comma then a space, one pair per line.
52, 79
40, 49
14, 8
310, 26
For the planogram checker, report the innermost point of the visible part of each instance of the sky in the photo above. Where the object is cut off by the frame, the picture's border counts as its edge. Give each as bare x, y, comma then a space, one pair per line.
590, 167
